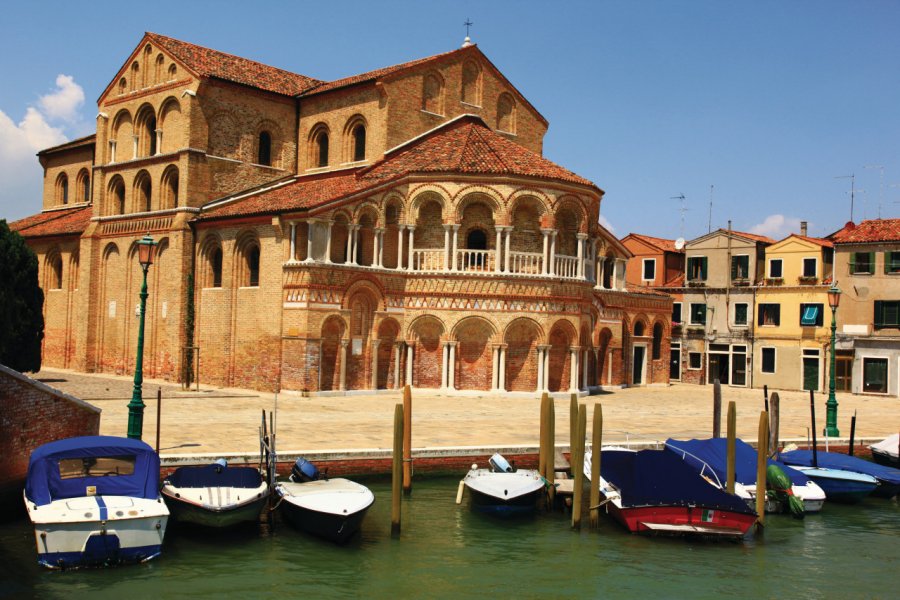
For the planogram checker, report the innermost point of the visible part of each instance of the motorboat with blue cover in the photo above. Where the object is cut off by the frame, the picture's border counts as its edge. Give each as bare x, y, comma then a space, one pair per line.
655, 491
215, 495
503, 490
710, 458
328, 508
856, 478
887, 451
94, 501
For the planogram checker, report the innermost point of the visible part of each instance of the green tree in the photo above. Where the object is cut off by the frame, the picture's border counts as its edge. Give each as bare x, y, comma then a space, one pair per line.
21, 303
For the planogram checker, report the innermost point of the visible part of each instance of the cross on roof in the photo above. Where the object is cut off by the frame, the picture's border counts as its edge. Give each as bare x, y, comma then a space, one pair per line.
468, 24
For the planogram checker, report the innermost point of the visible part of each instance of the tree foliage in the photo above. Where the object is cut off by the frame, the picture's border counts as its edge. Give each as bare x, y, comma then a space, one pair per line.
21, 303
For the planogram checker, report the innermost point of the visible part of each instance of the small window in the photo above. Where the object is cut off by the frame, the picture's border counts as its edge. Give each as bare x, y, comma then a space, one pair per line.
810, 267
264, 155
506, 113
698, 314
862, 263
657, 341
639, 329
875, 375
215, 267
56, 272
740, 313
649, 269
768, 360
173, 70
62, 189
696, 268
769, 315
695, 361
776, 270
887, 314
432, 94
676, 313
740, 267
359, 142
253, 266
811, 315
892, 262
322, 149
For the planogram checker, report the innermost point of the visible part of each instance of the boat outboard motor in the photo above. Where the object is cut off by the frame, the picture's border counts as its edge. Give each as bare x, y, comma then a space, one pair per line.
499, 464
303, 471
221, 465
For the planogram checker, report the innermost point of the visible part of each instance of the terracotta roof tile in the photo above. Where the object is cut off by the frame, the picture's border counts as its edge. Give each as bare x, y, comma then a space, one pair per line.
677, 281
660, 243
464, 145
88, 140
875, 230
818, 241
54, 222
752, 236
212, 63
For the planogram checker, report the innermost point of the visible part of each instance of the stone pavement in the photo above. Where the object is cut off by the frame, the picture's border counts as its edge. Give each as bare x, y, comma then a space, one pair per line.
226, 421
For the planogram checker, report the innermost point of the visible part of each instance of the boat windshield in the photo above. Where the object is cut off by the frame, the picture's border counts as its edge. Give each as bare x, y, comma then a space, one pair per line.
96, 466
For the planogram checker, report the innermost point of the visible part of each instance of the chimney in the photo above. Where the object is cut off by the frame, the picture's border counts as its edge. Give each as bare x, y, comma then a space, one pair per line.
803, 228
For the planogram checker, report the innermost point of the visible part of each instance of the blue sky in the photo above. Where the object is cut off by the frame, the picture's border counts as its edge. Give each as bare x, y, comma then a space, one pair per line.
766, 101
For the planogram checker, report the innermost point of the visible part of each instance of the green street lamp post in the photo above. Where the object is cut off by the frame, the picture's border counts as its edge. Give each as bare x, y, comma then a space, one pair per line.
831, 430
146, 247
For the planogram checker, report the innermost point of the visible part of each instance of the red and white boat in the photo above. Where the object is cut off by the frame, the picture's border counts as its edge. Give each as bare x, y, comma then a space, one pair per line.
653, 491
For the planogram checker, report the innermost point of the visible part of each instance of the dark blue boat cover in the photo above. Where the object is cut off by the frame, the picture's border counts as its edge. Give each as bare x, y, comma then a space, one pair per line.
835, 460
714, 452
215, 476
44, 484
660, 478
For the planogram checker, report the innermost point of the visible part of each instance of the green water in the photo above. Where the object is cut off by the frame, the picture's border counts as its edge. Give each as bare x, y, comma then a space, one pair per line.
447, 551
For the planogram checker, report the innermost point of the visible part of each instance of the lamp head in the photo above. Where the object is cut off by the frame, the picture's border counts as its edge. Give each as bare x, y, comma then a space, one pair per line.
834, 297
146, 250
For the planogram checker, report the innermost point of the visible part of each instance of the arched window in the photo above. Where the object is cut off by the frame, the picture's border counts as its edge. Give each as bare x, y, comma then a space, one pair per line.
639, 329
471, 83
264, 154
142, 192
145, 125
173, 70
116, 197
359, 142
250, 267
55, 268
169, 190
432, 94
62, 189
135, 73
506, 113
215, 268
322, 149
123, 86
657, 340
476, 240
73, 271
158, 71
83, 186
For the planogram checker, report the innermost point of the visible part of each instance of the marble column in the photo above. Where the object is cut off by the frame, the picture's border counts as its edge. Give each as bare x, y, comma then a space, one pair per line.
552, 269
445, 359
447, 228
451, 369
399, 247
498, 246
112, 151
344, 347
309, 240
506, 257
455, 245
502, 368
348, 258
544, 260
375, 344
581, 237
409, 252
397, 346
293, 255
495, 368
584, 369
159, 133
409, 363
328, 242
573, 369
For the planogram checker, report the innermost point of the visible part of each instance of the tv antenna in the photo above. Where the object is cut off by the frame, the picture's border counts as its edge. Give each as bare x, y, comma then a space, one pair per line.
852, 178
682, 210
880, 185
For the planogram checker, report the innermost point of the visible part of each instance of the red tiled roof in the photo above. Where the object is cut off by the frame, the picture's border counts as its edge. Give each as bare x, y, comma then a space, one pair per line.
659, 243
647, 291
875, 230
677, 281
464, 145
87, 140
54, 222
752, 236
212, 63
376, 74
818, 241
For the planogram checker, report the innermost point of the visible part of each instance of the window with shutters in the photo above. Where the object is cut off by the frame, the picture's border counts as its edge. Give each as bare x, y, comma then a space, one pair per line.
776, 268
811, 315
769, 315
676, 313
810, 266
862, 263
696, 268
887, 314
892, 263
740, 314
698, 314
740, 268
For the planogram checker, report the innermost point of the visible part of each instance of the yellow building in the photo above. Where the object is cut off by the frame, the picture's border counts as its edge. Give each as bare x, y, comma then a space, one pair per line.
793, 319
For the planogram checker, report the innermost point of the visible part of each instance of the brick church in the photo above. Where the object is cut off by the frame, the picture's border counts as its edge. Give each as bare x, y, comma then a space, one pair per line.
397, 226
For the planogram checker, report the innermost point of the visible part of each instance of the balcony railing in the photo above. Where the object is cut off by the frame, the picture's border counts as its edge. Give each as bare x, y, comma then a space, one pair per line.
475, 260
566, 266
526, 263
428, 260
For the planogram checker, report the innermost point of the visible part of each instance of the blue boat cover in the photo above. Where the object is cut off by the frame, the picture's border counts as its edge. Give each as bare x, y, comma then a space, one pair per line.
836, 460
44, 484
660, 478
714, 452
215, 476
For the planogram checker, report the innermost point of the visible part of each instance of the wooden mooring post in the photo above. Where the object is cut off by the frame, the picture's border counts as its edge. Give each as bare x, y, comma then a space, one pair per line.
596, 444
812, 416
159, 415
852, 433
774, 411
732, 435
397, 474
551, 450
761, 462
577, 456
717, 409
407, 439
542, 445
573, 421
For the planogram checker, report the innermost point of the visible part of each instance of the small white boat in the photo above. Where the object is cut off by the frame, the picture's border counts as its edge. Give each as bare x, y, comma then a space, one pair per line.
215, 495
502, 490
885, 452
329, 508
94, 501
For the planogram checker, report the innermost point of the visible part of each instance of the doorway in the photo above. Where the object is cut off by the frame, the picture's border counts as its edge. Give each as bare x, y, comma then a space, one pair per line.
675, 362
843, 371
811, 370
637, 367
718, 368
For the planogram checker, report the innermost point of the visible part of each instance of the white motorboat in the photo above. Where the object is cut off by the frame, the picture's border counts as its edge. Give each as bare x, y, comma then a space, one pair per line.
503, 490
94, 501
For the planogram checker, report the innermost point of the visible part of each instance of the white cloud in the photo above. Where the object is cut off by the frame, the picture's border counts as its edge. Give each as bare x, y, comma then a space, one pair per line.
605, 222
63, 103
777, 227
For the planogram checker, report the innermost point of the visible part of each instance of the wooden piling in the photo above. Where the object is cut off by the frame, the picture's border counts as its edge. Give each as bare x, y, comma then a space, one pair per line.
766, 397
717, 409
551, 448
774, 419
812, 416
761, 463
852, 433
732, 434
596, 444
542, 446
397, 472
573, 421
159, 415
578, 465
407, 439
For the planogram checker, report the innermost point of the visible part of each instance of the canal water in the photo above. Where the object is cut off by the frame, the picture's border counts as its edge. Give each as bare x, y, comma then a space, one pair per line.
447, 551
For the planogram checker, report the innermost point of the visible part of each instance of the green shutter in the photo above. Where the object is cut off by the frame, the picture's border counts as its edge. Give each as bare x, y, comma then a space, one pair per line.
777, 315
759, 315
872, 262
733, 267
887, 262
703, 263
891, 313
879, 314
852, 263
